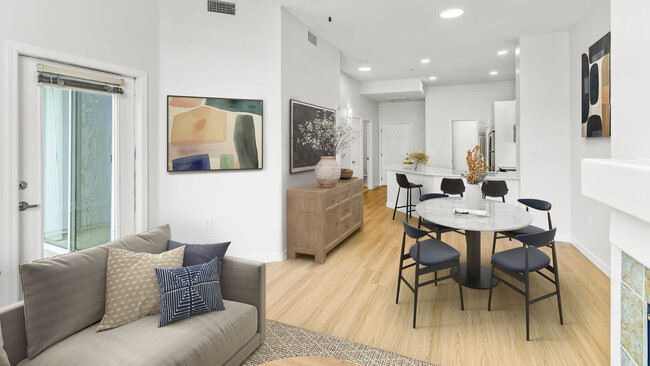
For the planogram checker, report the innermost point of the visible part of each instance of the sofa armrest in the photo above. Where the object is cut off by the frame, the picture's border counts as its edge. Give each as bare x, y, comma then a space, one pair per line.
244, 281
12, 323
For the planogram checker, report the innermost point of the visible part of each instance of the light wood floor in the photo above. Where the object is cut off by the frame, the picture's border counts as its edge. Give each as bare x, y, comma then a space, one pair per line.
352, 296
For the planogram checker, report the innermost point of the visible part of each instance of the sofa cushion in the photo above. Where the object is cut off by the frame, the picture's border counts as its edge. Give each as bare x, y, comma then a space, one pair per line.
4, 359
217, 335
202, 253
132, 289
65, 294
188, 291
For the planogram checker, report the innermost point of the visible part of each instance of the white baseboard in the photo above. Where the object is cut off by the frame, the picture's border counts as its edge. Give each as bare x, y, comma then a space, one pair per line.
267, 257
602, 266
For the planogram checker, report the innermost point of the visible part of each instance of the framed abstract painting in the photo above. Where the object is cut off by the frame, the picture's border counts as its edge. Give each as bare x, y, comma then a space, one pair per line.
213, 133
596, 71
303, 157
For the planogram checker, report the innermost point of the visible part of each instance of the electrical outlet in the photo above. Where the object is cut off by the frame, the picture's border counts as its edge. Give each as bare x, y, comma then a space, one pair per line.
207, 223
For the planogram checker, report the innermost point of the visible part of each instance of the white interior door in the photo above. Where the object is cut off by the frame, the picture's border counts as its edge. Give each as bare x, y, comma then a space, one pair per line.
464, 135
395, 145
356, 148
76, 164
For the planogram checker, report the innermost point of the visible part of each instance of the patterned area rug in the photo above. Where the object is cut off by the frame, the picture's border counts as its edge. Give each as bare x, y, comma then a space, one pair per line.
284, 341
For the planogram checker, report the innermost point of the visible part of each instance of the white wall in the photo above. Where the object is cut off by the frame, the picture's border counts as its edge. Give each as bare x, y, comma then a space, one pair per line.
505, 147
350, 97
447, 103
208, 54
589, 218
47, 24
407, 112
544, 125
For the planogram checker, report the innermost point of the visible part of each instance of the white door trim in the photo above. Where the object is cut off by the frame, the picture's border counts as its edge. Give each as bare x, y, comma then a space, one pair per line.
9, 249
381, 153
369, 124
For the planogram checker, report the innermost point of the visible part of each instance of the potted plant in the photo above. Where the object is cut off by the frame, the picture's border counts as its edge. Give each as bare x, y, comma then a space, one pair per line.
476, 172
419, 158
327, 138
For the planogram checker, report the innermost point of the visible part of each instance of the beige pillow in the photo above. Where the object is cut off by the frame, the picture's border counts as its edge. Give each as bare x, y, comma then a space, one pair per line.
132, 289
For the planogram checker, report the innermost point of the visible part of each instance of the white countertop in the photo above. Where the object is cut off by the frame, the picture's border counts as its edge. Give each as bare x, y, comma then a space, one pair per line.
448, 172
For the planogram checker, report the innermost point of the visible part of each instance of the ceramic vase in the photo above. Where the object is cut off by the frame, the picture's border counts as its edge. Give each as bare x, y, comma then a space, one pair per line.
473, 196
327, 172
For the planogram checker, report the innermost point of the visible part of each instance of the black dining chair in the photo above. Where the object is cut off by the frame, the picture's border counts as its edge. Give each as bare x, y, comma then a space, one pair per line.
428, 255
495, 188
535, 204
452, 186
403, 182
519, 263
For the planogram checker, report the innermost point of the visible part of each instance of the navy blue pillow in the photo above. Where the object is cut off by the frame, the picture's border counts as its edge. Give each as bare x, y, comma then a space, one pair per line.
188, 291
201, 253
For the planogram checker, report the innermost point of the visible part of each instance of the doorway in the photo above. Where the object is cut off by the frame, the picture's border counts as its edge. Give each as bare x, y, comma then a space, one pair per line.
76, 169
464, 136
394, 145
368, 156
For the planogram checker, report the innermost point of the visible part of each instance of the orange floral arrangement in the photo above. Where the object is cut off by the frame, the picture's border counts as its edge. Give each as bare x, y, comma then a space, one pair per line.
477, 167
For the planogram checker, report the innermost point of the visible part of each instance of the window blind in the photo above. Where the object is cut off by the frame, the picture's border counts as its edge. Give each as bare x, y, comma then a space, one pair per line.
50, 75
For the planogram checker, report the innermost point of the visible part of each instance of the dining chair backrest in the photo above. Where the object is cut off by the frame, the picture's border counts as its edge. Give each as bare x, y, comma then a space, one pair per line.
495, 188
412, 231
402, 181
430, 196
539, 205
452, 186
538, 239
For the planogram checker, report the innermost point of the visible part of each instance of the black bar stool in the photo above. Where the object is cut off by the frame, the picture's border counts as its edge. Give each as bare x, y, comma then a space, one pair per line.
403, 182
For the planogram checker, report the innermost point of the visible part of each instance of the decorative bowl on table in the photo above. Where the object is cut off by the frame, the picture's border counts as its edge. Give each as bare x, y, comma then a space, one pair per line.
346, 173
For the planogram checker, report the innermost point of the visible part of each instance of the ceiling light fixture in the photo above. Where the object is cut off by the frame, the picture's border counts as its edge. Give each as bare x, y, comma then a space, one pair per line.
502, 52
493, 73
433, 77
365, 68
452, 13
425, 61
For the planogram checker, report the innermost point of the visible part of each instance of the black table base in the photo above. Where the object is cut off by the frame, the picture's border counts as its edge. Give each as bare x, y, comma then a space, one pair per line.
473, 274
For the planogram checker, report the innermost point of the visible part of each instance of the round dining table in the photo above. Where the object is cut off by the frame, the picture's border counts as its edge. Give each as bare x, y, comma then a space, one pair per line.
499, 217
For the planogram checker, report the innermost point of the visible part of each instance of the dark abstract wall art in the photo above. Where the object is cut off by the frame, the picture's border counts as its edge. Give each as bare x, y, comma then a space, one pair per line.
303, 157
596, 71
213, 134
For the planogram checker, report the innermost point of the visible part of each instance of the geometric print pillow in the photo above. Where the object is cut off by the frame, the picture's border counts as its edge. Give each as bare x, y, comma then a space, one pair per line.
188, 291
132, 290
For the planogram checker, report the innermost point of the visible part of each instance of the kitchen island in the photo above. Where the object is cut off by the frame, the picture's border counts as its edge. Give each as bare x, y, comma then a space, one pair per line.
430, 178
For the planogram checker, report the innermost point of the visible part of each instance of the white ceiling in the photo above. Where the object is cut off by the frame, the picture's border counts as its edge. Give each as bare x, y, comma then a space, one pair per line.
394, 35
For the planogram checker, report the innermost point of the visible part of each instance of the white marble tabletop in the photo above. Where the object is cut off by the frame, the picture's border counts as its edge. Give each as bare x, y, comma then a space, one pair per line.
501, 216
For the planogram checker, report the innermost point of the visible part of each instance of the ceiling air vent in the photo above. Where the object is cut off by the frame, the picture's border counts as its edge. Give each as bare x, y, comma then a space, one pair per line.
311, 37
222, 7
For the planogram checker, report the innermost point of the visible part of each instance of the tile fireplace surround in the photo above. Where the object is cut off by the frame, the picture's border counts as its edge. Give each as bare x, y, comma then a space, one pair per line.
623, 185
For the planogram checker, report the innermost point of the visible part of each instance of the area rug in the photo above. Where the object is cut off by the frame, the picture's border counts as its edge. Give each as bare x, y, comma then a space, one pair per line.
284, 341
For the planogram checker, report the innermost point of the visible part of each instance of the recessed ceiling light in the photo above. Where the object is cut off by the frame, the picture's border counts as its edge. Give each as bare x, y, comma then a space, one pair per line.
425, 61
502, 52
493, 73
433, 77
365, 68
452, 13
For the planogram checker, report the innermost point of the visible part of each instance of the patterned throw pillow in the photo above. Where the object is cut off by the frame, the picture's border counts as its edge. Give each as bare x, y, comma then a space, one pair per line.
189, 291
132, 290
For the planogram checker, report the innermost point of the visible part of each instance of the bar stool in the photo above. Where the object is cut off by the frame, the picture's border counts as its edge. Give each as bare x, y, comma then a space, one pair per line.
403, 182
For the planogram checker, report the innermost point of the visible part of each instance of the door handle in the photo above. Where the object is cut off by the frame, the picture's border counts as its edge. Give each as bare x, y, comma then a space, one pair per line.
22, 206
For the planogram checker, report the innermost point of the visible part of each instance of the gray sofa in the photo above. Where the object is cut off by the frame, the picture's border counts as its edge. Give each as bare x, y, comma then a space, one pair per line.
64, 300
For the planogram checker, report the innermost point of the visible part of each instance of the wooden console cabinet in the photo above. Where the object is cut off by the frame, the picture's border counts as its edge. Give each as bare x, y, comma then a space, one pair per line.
319, 219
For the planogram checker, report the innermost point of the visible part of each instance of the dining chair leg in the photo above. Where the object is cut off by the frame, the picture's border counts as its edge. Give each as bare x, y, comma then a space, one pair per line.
401, 267
460, 286
494, 243
527, 306
436, 278
557, 284
415, 298
408, 203
396, 201
491, 286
